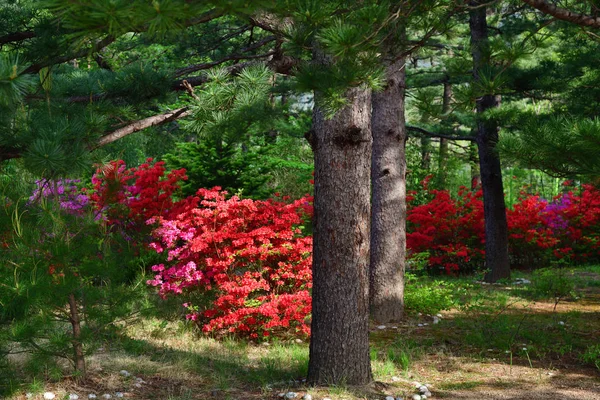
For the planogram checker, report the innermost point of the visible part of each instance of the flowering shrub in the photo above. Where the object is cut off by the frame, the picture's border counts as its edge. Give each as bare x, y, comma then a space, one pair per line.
249, 256
451, 230
128, 197
66, 191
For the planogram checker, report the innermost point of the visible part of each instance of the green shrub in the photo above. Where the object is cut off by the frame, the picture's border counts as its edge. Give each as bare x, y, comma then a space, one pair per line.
428, 297
553, 283
592, 356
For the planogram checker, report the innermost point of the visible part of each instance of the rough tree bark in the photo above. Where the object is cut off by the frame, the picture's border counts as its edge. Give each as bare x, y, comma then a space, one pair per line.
496, 229
78, 355
339, 346
388, 207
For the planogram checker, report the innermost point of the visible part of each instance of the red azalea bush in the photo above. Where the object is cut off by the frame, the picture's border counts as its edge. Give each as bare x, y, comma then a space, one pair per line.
248, 256
128, 197
451, 230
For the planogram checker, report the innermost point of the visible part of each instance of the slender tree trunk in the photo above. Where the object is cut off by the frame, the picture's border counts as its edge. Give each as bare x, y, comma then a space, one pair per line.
425, 153
339, 346
388, 220
78, 355
474, 167
496, 229
443, 153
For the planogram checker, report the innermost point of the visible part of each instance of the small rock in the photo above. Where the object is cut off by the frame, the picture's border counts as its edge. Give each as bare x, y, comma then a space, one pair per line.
299, 341
281, 395
416, 397
423, 389
561, 322
49, 396
91, 396
119, 395
425, 323
326, 398
307, 397
125, 373
73, 396
399, 398
266, 344
436, 320
416, 384
28, 395
389, 398
381, 327
291, 395
106, 396
419, 325
137, 385
438, 315
140, 380
395, 379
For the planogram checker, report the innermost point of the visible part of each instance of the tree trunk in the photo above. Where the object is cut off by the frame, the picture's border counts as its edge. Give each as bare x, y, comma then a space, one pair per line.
496, 229
388, 220
339, 346
78, 356
443, 152
426, 153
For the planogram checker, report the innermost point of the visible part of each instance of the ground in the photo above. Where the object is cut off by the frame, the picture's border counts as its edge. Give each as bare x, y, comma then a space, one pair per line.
496, 342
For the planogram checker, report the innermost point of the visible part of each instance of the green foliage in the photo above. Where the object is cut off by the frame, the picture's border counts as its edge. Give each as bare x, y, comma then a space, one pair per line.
209, 164
592, 356
50, 256
429, 296
553, 283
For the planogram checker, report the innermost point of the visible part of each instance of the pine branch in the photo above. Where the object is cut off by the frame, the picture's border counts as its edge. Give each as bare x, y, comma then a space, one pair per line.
142, 124
16, 37
234, 57
564, 14
439, 135
99, 45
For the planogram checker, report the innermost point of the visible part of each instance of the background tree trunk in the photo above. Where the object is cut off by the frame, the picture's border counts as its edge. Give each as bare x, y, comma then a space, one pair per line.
496, 229
443, 152
339, 346
78, 355
388, 220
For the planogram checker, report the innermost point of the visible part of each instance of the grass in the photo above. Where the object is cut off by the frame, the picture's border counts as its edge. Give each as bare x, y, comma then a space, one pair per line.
489, 339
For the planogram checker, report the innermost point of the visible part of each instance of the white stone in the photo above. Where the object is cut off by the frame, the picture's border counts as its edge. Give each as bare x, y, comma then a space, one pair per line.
125, 373
49, 396
299, 341
561, 322
419, 325
389, 398
73, 396
416, 397
281, 395
436, 320
106, 396
119, 395
91, 396
326, 398
381, 327
395, 379
28, 395
307, 397
417, 384
399, 398
439, 315
425, 323
137, 385
291, 395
